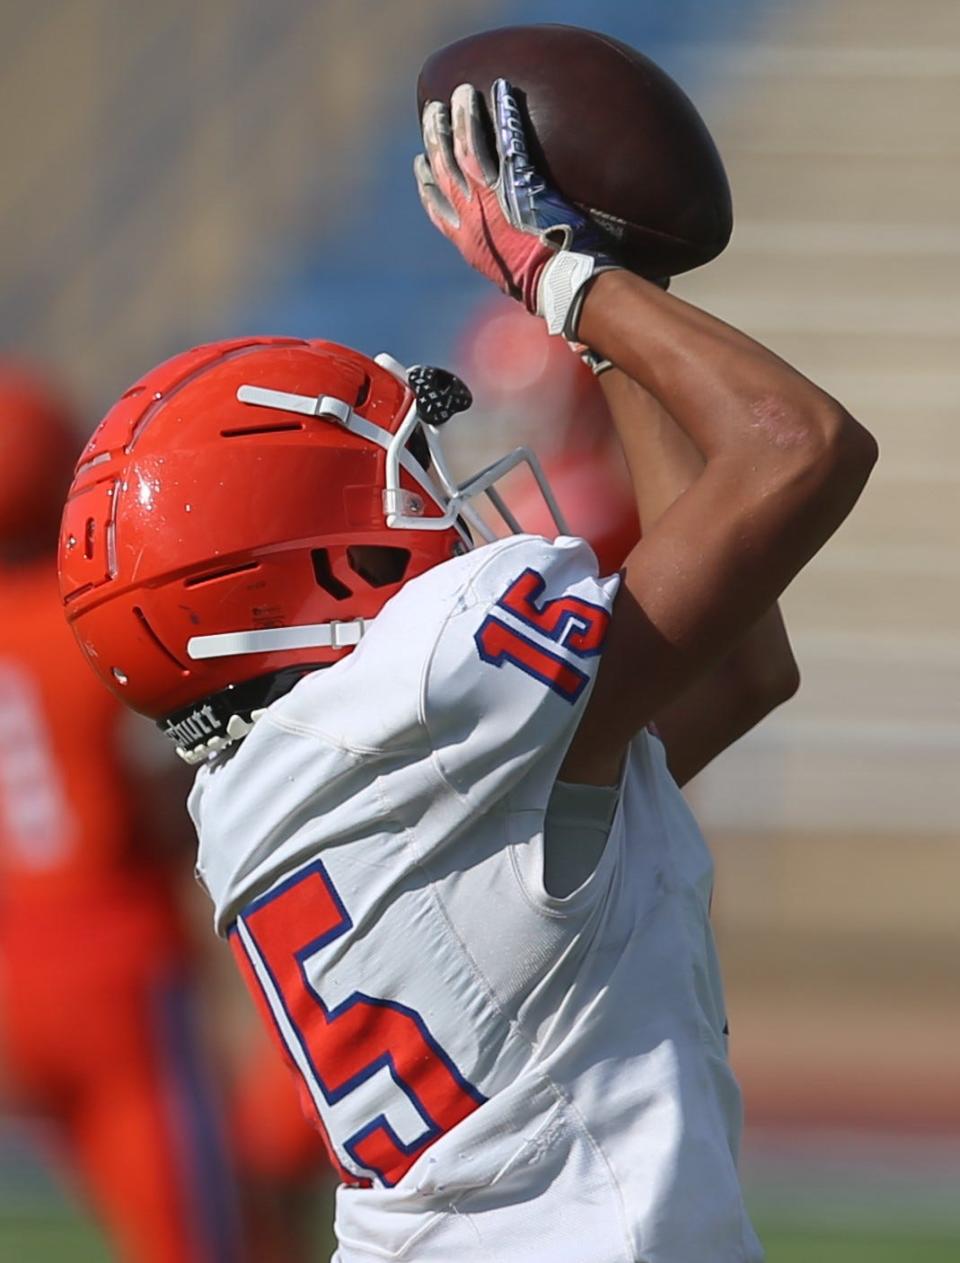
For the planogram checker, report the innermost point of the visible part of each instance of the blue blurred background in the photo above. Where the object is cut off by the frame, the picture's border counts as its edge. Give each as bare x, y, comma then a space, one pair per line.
230, 166
181, 172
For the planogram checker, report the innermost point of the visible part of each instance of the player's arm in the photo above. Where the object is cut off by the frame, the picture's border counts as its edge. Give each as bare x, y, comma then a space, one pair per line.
783, 466
759, 672
783, 462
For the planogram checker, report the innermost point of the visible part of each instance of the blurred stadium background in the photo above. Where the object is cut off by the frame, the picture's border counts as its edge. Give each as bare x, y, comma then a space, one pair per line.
180, 172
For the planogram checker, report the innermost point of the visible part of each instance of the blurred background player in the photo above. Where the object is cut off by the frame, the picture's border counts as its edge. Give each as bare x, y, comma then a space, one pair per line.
97, 1030
529, 388
284, 1169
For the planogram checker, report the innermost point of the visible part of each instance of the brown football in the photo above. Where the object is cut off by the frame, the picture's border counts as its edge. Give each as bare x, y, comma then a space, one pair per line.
611, 131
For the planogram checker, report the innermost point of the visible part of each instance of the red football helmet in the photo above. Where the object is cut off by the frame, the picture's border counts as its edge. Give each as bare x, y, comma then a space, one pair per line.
38, 445
243, 509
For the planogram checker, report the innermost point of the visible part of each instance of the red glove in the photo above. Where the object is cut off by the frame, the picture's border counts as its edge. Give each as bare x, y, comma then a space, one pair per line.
502, 216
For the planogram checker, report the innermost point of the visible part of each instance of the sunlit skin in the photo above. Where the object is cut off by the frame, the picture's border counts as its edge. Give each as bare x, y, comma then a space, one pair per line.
759, 672
783, 465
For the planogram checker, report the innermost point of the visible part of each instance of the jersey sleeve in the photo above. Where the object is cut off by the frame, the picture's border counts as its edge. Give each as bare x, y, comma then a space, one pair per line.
513, 665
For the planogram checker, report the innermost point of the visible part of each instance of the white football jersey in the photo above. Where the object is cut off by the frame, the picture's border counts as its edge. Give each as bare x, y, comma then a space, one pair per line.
501, 1074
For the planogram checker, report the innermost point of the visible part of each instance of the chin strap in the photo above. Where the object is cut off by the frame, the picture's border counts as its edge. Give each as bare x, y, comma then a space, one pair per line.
332, 635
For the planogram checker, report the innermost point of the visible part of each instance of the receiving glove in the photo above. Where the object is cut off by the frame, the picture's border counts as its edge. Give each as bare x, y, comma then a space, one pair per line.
500, 213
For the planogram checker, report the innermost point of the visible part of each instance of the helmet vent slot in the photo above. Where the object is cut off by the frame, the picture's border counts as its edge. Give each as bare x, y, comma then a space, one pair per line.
220, 574
325, 577
245, 431
378, 564
363, 394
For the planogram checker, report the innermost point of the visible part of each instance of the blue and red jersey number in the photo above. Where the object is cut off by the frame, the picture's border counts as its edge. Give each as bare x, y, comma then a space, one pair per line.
571, 623
340, 1048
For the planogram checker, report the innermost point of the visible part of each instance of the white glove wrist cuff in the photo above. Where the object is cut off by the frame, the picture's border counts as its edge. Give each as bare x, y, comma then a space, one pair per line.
561, 280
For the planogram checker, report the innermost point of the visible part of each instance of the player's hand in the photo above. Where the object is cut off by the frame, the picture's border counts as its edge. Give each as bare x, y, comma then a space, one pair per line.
503, 217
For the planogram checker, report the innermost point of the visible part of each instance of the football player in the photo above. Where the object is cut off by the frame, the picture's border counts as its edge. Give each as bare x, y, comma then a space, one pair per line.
448, 850
97, 1032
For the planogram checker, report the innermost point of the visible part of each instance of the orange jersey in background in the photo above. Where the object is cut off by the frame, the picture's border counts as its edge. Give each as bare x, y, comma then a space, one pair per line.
66, 808
70, 847
96, 1028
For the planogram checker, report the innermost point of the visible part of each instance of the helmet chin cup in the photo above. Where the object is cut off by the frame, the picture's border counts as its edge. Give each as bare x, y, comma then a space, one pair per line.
440, 394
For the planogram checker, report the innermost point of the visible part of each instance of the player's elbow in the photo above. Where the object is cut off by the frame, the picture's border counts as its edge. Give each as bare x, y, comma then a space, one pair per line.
849, 449
839, 454
817, 456
757, 683
773, 683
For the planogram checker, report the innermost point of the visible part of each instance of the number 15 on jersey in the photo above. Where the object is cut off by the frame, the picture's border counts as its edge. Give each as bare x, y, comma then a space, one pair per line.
543, 638
371, 1064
